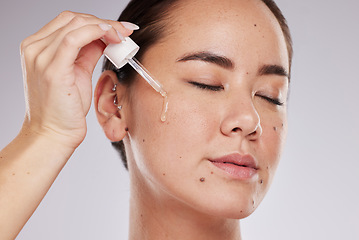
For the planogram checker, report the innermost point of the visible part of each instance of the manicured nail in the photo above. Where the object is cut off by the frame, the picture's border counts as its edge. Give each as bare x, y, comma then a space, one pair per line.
105, 26
120, 36
130, 26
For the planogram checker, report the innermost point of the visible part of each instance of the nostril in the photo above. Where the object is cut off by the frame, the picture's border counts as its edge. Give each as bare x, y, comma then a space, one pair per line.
253, 133
237, 129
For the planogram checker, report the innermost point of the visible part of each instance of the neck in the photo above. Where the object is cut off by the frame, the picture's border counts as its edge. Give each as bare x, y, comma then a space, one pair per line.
160, 216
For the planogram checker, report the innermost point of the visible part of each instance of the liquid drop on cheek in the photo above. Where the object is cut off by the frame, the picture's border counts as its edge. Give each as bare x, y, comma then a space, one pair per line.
164, 106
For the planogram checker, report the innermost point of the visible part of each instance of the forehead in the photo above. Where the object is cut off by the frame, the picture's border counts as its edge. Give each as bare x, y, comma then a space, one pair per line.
232, 28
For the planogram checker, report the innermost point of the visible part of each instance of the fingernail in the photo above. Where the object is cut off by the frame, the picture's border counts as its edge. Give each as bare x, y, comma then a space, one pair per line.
130, 26
120, 36
105, 26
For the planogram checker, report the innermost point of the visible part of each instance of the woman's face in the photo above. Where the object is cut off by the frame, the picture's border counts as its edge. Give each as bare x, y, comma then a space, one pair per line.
224, 67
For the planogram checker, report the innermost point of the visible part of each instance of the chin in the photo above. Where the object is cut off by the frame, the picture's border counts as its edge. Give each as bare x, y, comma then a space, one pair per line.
228, 208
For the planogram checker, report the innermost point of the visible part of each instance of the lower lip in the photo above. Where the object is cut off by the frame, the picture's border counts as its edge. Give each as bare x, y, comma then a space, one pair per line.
235, 171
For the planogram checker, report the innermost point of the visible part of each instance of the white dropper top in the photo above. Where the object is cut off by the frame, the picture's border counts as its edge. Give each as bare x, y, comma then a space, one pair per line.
124, 52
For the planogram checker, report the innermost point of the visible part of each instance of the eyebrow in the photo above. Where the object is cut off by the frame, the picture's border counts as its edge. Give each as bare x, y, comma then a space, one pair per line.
224, 62
209, 57
273, 70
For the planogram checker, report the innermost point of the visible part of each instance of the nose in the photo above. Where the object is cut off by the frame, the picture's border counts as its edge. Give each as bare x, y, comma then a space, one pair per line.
242, 119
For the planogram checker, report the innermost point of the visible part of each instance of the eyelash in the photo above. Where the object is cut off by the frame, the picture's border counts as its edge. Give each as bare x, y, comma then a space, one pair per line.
274, 101
207, 87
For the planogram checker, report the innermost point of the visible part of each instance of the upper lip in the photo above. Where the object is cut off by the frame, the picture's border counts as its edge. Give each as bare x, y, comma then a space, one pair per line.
237, 159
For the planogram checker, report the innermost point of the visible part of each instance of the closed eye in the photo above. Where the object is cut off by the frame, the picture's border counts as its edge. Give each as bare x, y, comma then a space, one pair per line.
207, 87
274, 101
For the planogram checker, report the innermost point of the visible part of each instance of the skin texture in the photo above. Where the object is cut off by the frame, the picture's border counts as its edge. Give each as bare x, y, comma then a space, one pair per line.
173, 183
176, 192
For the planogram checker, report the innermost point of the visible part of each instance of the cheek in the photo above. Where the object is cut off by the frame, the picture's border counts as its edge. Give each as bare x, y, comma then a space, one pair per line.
172, 147
272, 142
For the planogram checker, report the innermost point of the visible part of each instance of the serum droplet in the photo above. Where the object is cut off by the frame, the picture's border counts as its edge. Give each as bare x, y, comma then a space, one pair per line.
164, 106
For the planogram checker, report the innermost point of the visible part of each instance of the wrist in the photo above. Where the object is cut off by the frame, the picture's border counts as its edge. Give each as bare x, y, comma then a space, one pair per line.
50, 138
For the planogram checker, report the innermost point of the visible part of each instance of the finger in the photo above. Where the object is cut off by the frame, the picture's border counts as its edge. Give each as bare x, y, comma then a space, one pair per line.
58, 22
66, 17
49, 45
116, 33
70, 45
89, 56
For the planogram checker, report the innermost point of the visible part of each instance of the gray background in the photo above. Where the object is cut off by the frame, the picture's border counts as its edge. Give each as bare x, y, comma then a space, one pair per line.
315, 193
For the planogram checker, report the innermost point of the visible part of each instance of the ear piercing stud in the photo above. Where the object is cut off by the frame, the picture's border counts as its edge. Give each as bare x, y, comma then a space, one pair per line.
115, 102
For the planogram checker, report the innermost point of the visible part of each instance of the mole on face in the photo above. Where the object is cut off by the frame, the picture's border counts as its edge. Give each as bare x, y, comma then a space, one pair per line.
202, 179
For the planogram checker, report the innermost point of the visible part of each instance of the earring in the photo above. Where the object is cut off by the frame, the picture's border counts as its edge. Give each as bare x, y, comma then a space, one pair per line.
116, 103
115, 99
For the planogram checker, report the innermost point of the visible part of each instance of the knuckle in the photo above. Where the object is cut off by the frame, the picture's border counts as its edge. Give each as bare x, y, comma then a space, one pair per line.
28, 51
66, 15
23, 46
69, 40
26, 43
78, 20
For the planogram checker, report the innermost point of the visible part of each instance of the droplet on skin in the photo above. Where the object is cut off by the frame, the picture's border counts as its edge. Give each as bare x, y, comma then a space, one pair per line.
164, 107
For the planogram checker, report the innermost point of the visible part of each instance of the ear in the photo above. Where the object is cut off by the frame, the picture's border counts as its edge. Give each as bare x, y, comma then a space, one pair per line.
109, 116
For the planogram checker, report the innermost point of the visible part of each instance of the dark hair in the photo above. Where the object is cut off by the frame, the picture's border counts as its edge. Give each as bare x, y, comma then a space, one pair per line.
152, 16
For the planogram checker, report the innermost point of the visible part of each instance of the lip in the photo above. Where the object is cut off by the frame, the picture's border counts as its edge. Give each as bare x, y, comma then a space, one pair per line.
237, 166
